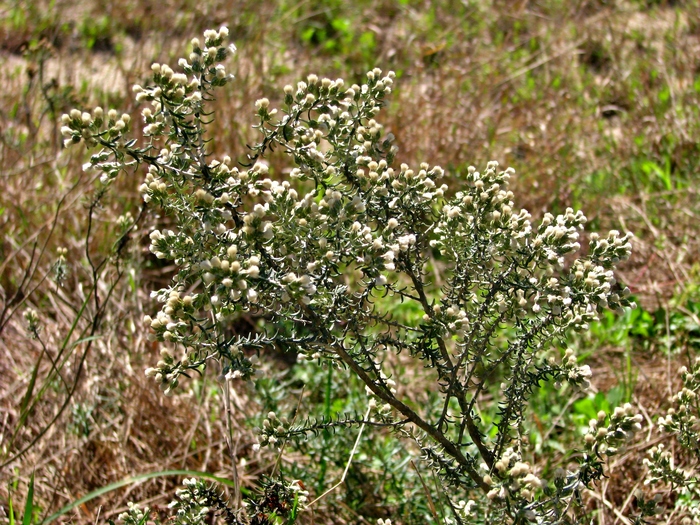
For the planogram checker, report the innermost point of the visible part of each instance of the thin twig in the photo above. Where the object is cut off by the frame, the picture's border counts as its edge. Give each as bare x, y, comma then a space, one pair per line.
229, 440
347, 467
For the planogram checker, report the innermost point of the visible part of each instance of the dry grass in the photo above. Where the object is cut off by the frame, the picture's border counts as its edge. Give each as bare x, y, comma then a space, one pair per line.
576, 97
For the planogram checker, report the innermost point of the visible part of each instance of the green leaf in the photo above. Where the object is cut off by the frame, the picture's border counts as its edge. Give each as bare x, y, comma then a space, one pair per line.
10, 510
24, 405
29, 505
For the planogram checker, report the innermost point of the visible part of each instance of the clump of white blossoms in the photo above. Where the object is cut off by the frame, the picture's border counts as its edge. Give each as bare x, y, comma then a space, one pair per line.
682, 422
326, 253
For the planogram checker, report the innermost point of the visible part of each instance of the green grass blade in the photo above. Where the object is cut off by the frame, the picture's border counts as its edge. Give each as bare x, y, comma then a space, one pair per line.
133, 479
29, 505
10, 510
24, 405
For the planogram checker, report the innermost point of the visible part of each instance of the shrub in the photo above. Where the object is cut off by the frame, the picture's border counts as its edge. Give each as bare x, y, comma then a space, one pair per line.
325, 257
681, 423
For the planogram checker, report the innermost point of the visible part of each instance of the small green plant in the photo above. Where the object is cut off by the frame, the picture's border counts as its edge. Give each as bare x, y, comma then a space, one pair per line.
324, 258
334, 31
30, 510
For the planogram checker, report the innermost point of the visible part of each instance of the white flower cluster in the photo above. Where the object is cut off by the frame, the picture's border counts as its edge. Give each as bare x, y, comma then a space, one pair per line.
374, 404
517, 477
463, 509
134, 514
661, 468
683, 422
527, 258
683, 419
623, 424
274, 429
338, 122
192, 503
92, 128
182, 92
31, 317
165, 373
302, 495
575, 374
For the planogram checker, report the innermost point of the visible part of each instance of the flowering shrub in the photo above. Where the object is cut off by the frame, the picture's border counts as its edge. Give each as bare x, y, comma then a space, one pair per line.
682, 422
325, 256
